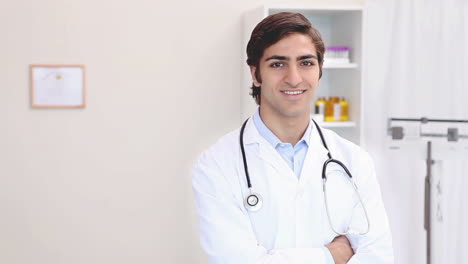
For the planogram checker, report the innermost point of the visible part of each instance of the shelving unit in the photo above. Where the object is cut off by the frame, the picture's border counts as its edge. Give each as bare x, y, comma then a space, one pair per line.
339, 26
337, 124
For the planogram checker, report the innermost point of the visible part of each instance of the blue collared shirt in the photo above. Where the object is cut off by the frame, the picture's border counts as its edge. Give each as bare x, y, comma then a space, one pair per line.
293, 155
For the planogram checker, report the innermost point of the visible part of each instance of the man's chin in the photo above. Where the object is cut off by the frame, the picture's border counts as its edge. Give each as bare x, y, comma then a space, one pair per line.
296, 113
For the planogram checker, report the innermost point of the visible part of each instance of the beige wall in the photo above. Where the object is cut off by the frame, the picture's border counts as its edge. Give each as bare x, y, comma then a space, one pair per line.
111, 183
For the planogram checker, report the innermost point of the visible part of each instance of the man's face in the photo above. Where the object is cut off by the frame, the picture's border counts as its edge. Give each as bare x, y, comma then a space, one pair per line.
289, 72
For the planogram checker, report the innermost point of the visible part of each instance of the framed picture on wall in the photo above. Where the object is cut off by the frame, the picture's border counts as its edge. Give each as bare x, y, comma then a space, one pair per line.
57, 86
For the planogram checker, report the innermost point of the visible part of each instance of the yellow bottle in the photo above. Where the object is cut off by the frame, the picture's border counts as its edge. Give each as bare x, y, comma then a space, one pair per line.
319, 109
344, 109
336, 109
329, 109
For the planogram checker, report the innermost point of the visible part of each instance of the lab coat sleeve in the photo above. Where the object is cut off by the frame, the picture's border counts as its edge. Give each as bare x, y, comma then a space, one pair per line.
376, 246
226, 234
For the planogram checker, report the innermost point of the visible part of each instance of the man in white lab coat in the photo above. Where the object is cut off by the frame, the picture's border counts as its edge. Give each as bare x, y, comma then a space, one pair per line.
285, 154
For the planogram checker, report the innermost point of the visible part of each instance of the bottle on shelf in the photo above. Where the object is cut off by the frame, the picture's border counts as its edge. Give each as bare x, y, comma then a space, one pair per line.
329, 110
332, 109
336, 55
344, 109
336, 109
319, 112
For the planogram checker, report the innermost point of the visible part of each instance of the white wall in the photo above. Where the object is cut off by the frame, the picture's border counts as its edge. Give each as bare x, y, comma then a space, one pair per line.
111, 183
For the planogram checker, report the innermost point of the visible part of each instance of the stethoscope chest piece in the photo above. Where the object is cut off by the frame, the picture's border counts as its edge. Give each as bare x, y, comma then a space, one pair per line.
253, 202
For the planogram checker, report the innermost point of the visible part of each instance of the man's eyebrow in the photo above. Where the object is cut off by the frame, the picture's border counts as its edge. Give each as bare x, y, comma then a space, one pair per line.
276, 57
307, 57
284, 58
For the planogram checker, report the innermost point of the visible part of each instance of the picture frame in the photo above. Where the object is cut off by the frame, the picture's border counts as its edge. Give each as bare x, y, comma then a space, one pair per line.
57, 85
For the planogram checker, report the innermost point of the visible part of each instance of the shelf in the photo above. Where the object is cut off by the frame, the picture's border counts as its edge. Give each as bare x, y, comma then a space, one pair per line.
337, 124
340, 66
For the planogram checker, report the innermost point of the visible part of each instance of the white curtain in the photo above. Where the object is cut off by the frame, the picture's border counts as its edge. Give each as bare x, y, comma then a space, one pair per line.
450, 204
416, 65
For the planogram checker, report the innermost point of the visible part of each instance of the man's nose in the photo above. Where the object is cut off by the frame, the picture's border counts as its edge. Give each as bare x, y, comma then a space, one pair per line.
293, 77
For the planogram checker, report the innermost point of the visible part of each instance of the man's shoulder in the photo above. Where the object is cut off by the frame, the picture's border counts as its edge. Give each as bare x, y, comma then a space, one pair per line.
223, 150
216, 167
226, 144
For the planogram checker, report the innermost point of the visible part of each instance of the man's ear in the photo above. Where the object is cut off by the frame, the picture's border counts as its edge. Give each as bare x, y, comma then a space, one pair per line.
254, 78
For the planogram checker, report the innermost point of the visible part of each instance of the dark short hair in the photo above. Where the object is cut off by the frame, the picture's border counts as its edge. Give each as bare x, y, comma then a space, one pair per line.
271, 30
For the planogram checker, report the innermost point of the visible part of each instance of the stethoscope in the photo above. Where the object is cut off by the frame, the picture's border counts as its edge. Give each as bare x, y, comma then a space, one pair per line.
253, 202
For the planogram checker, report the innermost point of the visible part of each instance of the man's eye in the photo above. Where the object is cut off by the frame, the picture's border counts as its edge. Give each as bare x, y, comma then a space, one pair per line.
277, 64
308, 63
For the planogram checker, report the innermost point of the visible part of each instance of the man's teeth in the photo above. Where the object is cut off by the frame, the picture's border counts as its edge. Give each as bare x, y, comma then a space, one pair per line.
292, 92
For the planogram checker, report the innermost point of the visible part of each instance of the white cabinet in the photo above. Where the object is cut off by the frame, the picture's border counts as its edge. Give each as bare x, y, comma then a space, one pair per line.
339, 26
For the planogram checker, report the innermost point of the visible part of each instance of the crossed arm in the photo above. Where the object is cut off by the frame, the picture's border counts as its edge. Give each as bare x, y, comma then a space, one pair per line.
227, 235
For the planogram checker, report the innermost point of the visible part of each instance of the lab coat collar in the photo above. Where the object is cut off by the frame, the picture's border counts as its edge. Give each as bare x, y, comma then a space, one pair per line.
252, 136
272, 138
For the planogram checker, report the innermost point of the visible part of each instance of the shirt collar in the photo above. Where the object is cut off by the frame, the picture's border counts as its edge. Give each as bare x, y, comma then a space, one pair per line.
266, 133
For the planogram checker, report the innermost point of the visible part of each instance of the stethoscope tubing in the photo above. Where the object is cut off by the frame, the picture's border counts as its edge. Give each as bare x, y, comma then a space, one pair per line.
254, 201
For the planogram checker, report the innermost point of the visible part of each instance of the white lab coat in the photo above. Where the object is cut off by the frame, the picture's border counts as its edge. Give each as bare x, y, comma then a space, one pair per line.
292, 225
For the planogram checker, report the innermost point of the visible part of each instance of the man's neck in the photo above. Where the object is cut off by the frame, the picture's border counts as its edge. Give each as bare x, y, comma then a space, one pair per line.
287, 129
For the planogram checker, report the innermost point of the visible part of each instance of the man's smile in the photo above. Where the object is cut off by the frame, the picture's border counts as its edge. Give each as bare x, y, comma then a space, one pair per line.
293, 92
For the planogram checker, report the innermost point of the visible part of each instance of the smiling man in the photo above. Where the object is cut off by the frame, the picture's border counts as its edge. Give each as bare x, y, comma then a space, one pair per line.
288, 73
260, 190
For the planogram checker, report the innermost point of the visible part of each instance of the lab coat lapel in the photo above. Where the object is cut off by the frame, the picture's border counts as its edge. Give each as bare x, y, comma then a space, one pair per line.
315, 158
267, 152
311, 216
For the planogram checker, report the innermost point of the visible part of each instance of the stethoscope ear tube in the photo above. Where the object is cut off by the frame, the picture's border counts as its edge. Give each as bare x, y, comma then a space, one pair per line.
347, 232
324, 168
241, 139
324, 187
253, 202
